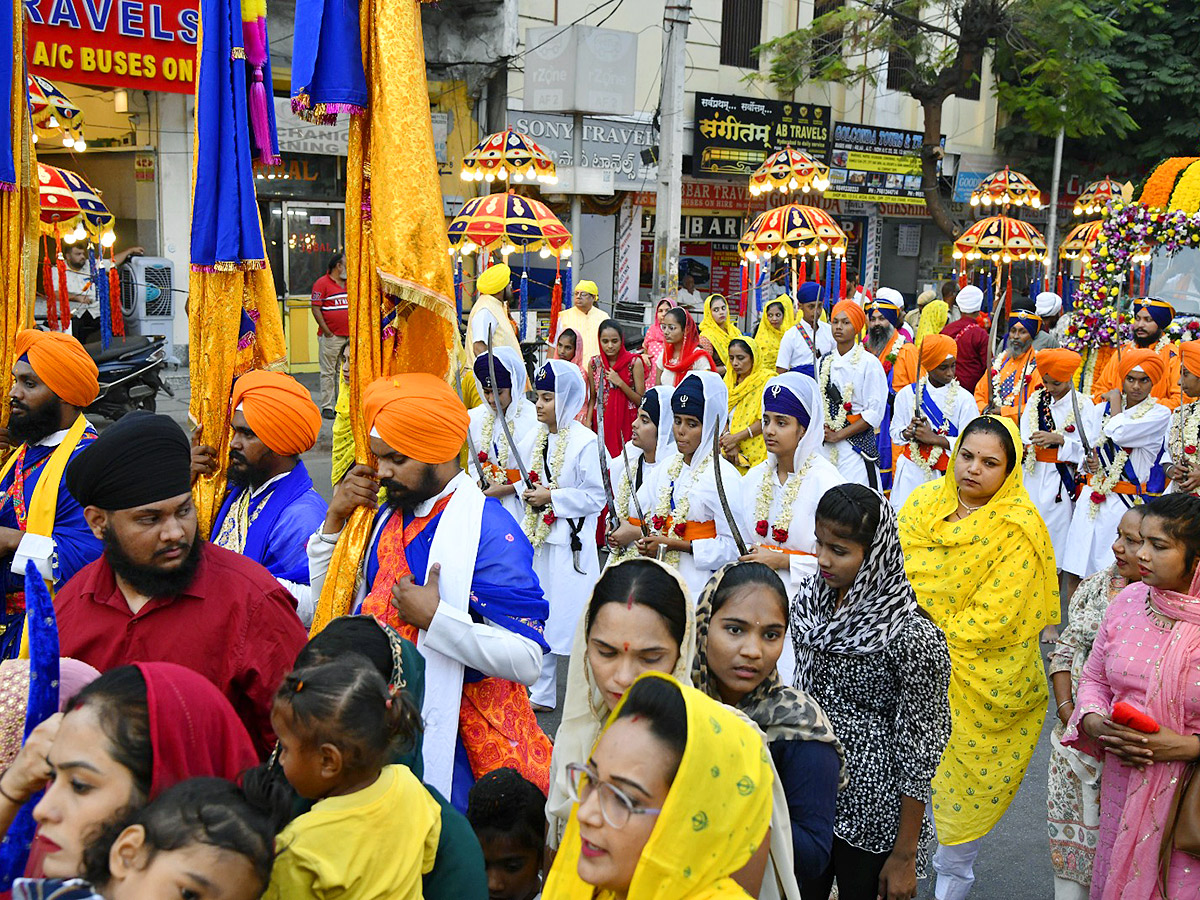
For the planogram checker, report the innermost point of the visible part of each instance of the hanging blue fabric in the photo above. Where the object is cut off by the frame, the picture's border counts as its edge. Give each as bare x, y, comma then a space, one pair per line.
327, 69
741, 280
458, 285
100, 283
568, 292
758, 286
1068, 292
988, 294
524, 292
8, 166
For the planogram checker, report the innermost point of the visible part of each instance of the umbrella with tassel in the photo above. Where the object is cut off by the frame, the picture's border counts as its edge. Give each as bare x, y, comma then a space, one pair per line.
511, 156
54, 115
789, 171
796, 232
1000, 240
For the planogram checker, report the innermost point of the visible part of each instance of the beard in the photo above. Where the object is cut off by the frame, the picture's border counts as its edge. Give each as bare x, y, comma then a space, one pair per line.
150, 580
1146, 341
406, 500
242, 474
877, 336
28, 425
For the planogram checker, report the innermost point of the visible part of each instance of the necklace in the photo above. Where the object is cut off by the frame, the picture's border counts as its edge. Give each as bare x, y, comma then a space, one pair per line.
766, 493
925, 461
536, 523
1039, 406
669, 516
495, 471
1111, 474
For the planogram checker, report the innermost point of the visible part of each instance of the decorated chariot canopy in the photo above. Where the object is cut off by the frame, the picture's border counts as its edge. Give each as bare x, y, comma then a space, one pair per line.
789, 171
792, 230
509, 155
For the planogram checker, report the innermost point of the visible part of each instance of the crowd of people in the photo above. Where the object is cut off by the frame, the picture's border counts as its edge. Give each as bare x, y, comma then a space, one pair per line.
796, 583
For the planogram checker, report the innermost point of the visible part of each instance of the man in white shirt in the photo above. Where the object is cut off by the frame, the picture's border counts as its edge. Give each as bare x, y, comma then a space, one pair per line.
809, 337
689, 298
81, 289
855, 390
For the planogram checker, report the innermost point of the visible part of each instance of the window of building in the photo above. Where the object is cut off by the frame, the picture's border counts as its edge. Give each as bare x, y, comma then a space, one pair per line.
741, 32
900, 62
828, 45
971, 91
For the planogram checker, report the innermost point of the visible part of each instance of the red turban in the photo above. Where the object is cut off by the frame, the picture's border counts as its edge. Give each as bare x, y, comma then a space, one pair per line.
418, 415
853, 312
936, 349
278, 409
1147, 360
62, 364
1060, 365
1189, 352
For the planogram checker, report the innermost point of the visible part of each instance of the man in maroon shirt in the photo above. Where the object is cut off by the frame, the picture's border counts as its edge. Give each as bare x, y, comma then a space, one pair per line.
971, 338
162, 593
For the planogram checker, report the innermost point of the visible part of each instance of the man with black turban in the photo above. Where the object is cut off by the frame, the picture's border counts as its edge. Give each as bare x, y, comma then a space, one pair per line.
160, 592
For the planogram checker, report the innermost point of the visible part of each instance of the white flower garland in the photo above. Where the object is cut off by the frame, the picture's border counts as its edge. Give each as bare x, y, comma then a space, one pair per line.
1019, 379
766, 491
537, 522
1191, 430
838, 422
1068, 425
624, 494
665, 519
935, 452
1111, 474
497, 473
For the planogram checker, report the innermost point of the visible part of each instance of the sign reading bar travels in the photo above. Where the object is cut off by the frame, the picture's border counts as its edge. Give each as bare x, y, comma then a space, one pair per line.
139, 44
882, 165
733, 135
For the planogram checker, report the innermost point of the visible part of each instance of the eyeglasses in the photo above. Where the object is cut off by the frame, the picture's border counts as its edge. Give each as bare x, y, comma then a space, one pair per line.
615, 804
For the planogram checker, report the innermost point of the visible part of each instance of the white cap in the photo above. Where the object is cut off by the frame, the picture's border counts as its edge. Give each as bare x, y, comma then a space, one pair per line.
891, 295
1048, 303
969, 299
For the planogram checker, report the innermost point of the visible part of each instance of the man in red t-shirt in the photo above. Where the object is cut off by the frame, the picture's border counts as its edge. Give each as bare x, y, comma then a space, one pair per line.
971, 338
332, 311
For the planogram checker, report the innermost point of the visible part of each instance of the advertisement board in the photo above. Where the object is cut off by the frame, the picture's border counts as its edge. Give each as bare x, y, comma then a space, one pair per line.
733, 135
875, 164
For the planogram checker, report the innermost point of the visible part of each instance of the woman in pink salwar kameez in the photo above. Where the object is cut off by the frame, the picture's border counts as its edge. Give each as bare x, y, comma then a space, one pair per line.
1147, 654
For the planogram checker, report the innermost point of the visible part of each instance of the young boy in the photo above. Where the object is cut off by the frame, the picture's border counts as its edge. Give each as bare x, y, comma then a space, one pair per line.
508, 814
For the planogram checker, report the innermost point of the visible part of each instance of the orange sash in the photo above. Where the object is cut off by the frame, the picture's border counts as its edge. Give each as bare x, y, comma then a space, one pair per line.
635, 522
1045, 454
513, 475
693, 531
940, 466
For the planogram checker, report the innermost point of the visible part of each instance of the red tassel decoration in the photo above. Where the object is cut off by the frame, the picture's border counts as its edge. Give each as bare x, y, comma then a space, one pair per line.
48, 285
114, 297
842, 290
803, 271
962, 274
64, 302
1058, 288
1142, 281
556, 300
1008, 294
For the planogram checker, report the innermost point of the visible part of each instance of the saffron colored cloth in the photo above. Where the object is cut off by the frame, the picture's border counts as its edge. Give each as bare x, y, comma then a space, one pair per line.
713, 821
327, 68
989, 583
718, 335
1154, 673
349, 845
60, 361
746, 405
233, 624
279, 410
768, 337
1164, 390
1013, 381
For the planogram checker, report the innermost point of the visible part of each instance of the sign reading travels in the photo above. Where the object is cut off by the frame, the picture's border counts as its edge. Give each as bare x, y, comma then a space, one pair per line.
876, 164
733, 135
140, 44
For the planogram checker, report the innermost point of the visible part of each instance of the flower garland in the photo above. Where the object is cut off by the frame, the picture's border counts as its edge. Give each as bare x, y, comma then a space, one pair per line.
1111, 474
676, 519
926, 464
838, 422
537, 522
496, 471
1035, 402
624, 495
762, 504
1189, 441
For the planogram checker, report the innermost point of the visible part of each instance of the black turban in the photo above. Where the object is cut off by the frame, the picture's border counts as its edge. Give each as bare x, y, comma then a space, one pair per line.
141, 459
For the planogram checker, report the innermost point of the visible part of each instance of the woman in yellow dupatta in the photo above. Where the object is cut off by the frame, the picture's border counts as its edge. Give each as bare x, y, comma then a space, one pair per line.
745, 378
719, 329
778, 316
700, 785
979, 558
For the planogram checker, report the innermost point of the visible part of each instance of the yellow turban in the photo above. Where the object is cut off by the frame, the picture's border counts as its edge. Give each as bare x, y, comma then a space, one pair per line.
279, 410
494, 280
417, 415
853, 312
587, 287
1146, 360
60, 361
1058, 364
936, 349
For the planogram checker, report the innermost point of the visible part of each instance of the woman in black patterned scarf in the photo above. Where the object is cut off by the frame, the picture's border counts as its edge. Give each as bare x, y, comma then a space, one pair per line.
881, 670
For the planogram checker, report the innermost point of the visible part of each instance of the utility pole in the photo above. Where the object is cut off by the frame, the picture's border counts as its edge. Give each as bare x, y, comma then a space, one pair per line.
1051, 233
669, 203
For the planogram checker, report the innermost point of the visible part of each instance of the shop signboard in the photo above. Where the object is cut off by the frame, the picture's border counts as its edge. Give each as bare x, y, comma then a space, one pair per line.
139, 44
733, 135
615, 144
877, 164
581, 69
299, 136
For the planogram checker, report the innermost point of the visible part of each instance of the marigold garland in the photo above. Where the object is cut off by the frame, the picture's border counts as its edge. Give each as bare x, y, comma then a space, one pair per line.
1157, 192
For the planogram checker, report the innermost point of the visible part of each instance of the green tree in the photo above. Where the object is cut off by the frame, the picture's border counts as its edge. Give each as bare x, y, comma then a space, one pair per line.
1047, 51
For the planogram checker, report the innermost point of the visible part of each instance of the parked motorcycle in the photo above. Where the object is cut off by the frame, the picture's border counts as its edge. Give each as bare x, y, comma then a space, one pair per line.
129, 374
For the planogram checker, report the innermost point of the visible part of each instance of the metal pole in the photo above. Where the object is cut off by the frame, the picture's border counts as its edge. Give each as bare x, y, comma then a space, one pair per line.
577, 198
669, 202
1051, 233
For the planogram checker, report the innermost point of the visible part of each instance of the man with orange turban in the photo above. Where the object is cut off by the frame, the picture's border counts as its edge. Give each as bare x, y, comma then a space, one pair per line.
925, 437
1012, 375
1183, 444
1128, 435
855, 391
272, 507
1151, 318
452, 571
54, 380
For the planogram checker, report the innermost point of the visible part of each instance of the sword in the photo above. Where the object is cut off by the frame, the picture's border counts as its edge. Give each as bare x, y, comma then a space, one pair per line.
737, 535
611, 521
512, 445
1087, 447
637, 505
471, 448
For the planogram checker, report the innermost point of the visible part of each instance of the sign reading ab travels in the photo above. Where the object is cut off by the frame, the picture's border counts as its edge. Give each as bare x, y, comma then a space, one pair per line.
140, 44
734, 134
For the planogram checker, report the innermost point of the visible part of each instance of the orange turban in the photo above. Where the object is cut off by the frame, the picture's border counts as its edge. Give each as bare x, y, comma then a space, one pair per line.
279, 410
418, 415
1189, 351
853, 312
936, 349
1147, 360
1060, 365
61, 362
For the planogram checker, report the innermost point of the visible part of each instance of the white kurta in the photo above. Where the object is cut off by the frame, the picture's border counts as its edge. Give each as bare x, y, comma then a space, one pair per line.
958, 408
794, 349
521, 416
1089, 539
642, 484
708, 554
860, 377
1051, 497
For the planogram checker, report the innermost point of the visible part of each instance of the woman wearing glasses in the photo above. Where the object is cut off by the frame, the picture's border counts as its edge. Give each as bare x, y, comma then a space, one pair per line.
674, 798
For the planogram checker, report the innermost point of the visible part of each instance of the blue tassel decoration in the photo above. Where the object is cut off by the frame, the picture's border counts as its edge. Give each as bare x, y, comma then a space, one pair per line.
568, 290
988, 294
458, 285
758, 286
524, 297
100, 283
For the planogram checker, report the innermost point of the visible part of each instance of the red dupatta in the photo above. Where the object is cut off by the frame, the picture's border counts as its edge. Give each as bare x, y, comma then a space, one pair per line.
619, 412
690, 352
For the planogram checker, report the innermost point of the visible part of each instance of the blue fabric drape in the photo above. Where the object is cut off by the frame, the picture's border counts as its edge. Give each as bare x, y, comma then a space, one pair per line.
13, 102
327, 70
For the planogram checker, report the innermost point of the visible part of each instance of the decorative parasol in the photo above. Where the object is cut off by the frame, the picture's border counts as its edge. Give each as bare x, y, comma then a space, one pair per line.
509, 154
789, 170
792, 230
1006, 188
508, 222
1095, 197
53, 114
71, 209
1080, 240
1000, 239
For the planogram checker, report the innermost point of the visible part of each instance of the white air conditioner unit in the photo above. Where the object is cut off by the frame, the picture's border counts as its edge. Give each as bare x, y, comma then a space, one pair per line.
148, 295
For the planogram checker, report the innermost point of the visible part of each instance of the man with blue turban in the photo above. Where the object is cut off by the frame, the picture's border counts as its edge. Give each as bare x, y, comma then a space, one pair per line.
1013, 375
1151, 318
809, 338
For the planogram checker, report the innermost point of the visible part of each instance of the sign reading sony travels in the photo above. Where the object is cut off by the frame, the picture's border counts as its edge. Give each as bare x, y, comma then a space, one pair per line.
876, 164
733, 135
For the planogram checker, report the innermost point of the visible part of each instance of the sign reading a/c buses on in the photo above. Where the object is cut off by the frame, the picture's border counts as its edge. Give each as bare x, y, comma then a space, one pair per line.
733, 135
140, 44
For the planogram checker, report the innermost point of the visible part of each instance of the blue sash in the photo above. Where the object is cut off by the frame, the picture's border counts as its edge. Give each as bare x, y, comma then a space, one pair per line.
282, 494
1156, 481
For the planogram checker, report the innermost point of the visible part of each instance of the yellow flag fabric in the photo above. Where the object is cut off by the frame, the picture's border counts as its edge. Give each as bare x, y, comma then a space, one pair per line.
988, 581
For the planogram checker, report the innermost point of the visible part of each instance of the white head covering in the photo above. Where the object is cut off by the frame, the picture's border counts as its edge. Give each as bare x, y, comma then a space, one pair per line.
569, 389
969, 300
514, 364
805, 390
891, 295
666, 419
1048, 303
716, 409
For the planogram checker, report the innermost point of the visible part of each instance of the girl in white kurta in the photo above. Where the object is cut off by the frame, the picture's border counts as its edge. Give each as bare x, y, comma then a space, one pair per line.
561, 508
687, 519
653, 442
855, 379
486, 434
780, 495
